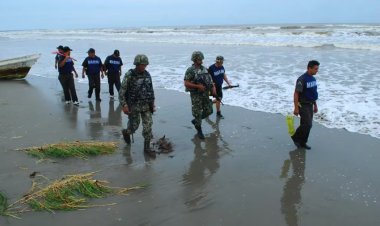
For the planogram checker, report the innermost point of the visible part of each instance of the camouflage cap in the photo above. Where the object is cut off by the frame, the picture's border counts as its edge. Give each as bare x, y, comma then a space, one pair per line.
219, 58
141, 59
197, 55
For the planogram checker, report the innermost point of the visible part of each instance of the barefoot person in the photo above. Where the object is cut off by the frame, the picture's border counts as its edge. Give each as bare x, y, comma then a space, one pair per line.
305, 103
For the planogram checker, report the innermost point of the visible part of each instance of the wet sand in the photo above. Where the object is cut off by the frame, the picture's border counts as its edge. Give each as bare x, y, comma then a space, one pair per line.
246, 172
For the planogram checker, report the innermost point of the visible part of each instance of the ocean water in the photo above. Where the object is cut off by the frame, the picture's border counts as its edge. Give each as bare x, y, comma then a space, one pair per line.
265, 60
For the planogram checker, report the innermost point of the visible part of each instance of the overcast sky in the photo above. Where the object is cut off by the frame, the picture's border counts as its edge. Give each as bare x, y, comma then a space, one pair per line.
62, 14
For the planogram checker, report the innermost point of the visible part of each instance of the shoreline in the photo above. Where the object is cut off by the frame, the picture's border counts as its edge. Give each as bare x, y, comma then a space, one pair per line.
84, 82
235, 177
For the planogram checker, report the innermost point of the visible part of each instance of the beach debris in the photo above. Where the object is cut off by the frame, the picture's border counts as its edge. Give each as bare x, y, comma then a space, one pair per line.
72, 192
3, 204
33, 175
4, 207
163, 145
79, 149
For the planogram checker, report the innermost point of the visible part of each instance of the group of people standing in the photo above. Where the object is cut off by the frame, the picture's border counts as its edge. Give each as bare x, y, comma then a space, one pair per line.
136, 94
93, 68
137, 98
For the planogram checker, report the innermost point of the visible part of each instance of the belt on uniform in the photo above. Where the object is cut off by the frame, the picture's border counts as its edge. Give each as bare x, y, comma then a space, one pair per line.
305, 103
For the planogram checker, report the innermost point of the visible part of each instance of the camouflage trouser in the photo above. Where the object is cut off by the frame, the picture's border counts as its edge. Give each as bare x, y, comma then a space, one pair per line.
201, 107
147, 121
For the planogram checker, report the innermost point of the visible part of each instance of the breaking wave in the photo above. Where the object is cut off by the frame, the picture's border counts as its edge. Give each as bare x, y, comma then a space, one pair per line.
366, 37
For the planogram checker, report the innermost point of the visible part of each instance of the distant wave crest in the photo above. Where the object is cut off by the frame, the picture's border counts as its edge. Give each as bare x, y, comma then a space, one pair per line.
366, 37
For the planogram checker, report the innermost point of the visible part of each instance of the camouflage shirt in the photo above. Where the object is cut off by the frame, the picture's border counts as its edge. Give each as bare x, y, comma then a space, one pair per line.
198, 75
136, 89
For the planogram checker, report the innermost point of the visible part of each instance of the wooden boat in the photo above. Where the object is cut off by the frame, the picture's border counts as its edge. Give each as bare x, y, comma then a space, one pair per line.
17, 68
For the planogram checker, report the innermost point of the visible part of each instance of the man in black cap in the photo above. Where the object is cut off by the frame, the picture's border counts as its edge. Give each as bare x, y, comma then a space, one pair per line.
60, 51
93, 66
112, 69
66, 68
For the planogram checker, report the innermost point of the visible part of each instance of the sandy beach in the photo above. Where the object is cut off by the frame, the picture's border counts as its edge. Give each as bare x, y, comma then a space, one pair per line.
237, 176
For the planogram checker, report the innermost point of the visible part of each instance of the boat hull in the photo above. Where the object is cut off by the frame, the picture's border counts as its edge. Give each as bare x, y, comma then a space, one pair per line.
17, 68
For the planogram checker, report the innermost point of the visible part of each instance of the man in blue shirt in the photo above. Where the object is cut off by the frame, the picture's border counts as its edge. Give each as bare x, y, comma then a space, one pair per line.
218, 74
93, 66
66, 68
112, 68
305, 103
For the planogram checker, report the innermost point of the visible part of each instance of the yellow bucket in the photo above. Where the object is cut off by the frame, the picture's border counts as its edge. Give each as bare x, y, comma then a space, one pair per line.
290, 123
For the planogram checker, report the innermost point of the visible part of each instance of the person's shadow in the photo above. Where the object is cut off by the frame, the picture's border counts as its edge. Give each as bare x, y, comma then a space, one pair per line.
94, 124
291, 197
127, 154
215, 139
71, 113
204, 165
114, 119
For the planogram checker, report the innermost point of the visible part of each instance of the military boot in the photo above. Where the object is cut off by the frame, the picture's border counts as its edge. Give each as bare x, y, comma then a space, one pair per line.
219, 114
147, 148
199, 130
200, 133
126, 136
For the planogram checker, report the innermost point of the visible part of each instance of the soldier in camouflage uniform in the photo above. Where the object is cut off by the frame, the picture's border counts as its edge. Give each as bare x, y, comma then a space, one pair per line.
136, 96
199, 83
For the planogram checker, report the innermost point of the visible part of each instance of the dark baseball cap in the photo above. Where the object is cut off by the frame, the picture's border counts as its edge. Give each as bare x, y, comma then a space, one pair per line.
91, 50
219, 58
60, 47
66, 49
116, 52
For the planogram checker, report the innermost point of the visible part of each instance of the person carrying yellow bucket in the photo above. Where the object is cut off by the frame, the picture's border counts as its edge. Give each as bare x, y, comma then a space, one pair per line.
305, 104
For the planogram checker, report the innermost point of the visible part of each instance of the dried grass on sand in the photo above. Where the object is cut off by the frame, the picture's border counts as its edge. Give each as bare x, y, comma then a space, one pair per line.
70, 193
79, 149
